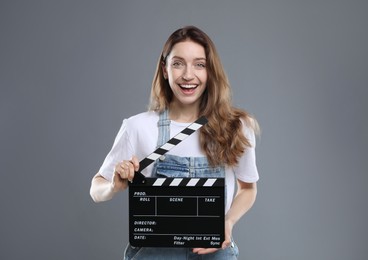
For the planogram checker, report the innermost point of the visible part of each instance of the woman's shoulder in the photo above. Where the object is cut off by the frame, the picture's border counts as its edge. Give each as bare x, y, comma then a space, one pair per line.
142, 120
250, 122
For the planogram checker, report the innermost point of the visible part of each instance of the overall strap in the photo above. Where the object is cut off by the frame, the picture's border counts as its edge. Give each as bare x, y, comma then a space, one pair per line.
163, 125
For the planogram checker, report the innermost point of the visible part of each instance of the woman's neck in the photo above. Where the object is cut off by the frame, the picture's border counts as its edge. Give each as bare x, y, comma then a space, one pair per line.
183, 114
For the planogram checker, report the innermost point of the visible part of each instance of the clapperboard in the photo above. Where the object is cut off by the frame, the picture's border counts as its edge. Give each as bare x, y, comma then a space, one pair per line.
176, 212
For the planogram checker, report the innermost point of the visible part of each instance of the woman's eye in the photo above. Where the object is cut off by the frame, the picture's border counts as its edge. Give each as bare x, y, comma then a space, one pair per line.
177, 64
201, 65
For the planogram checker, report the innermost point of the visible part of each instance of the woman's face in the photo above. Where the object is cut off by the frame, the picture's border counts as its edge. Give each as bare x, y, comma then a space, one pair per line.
186, 72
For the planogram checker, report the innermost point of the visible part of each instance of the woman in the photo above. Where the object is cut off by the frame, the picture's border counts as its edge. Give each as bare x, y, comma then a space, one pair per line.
189, 82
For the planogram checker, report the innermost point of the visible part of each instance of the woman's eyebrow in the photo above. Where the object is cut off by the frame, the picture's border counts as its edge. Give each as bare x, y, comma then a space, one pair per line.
204, 59
177, 57
180, 58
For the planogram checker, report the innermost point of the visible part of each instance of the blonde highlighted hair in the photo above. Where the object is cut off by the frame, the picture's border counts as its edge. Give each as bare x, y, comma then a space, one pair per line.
222, 139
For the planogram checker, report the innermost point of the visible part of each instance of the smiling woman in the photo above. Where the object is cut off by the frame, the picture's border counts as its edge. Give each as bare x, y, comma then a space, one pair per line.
189, 82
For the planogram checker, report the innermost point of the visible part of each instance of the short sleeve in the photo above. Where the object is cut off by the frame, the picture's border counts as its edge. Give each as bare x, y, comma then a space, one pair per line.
246, 170
121, 150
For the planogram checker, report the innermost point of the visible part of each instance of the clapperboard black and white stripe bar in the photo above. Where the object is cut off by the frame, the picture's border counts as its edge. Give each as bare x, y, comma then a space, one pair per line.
176, 212
185, 182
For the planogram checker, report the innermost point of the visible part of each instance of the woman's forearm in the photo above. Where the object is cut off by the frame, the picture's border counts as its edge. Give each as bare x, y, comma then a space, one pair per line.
101, 189
243, 201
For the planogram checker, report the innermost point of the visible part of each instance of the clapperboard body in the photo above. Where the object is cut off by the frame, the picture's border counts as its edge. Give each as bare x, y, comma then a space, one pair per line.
176, 212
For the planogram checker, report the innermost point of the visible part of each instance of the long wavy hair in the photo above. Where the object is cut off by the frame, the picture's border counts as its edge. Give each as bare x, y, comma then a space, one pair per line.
221, 138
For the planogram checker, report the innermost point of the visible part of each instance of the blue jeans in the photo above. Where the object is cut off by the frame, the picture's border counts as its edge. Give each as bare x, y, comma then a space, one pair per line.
168, 253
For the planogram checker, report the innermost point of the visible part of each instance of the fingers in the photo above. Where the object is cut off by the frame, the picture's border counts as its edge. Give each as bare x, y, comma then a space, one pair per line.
130, 170
135, 163
203, 251
126, 169
226, 244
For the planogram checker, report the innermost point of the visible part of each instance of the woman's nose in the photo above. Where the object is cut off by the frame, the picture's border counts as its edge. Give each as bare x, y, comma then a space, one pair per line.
188, 74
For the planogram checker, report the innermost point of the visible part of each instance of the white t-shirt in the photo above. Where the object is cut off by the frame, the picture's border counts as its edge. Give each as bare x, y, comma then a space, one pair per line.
138, 136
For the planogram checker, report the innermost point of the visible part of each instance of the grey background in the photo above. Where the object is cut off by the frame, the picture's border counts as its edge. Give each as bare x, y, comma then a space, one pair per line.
72, 70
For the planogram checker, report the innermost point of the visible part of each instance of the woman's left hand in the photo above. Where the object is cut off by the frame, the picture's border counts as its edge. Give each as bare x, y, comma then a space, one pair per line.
225, 244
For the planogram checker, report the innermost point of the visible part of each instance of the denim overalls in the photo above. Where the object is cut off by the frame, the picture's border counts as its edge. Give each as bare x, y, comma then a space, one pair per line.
175, 166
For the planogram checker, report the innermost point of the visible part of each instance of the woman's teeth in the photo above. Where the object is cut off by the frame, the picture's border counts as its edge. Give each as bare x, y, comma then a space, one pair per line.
188, 86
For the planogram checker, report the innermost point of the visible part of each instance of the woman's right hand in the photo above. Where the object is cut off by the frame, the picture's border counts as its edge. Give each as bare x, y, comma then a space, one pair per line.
124, 172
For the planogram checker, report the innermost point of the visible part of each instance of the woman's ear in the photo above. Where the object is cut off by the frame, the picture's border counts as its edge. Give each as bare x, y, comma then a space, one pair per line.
164, 70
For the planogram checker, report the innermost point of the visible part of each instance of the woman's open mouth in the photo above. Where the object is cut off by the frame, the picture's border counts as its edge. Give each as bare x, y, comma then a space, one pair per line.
188, 89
